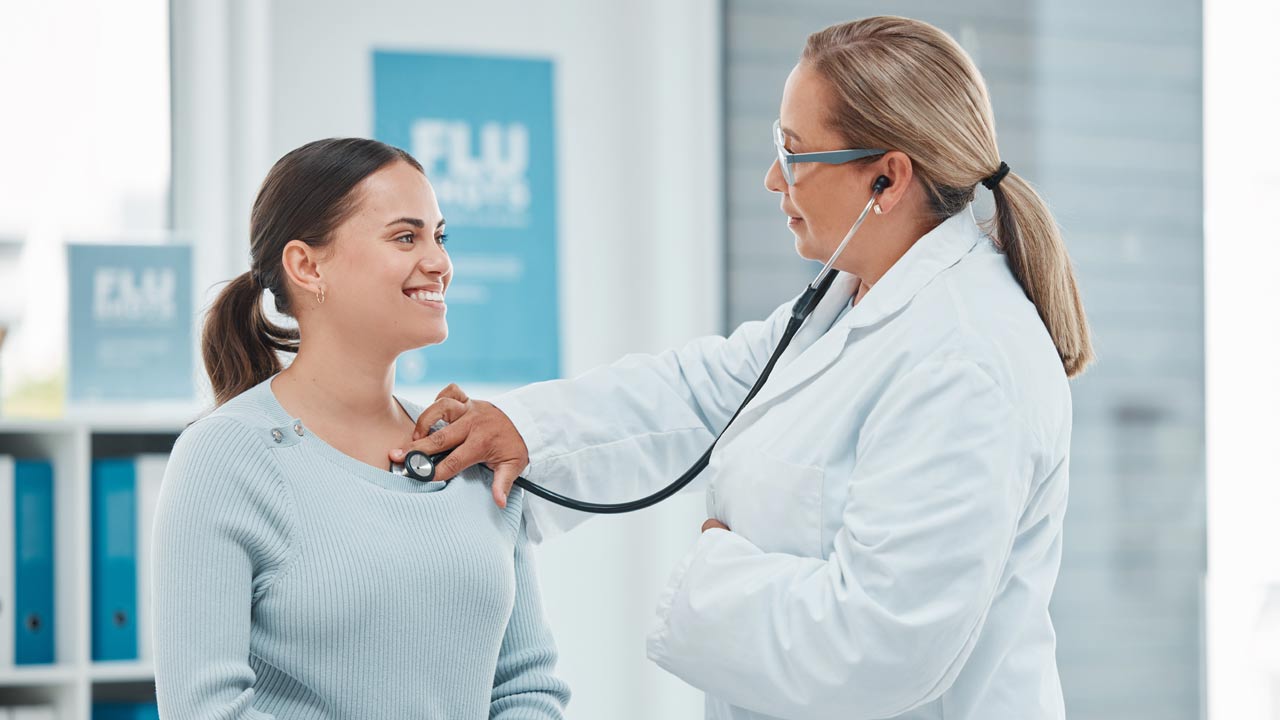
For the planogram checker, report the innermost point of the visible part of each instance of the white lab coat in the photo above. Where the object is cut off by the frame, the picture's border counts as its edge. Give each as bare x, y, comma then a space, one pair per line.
895, 493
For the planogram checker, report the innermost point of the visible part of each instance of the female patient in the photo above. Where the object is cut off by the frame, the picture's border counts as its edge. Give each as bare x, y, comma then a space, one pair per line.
295, 575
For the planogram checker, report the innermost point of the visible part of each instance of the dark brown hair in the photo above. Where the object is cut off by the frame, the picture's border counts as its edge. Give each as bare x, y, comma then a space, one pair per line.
306, 195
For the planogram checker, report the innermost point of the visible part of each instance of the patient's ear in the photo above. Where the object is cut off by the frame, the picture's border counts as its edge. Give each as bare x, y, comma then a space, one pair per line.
301, 265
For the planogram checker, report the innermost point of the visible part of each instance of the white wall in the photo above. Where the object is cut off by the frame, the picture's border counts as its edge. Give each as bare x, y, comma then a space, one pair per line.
637, 84
1242, 252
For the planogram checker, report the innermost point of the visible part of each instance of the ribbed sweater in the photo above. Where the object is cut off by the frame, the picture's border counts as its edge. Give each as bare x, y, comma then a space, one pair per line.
293, 581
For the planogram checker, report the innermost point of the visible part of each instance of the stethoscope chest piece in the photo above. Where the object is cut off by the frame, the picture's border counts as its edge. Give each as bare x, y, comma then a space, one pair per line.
418, 465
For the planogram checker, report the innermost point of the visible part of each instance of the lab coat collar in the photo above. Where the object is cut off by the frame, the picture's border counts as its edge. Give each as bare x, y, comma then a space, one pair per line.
937, 250
818, 343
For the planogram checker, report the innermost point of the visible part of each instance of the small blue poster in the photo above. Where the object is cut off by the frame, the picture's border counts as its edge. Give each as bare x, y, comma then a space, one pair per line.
482, 127
131, 323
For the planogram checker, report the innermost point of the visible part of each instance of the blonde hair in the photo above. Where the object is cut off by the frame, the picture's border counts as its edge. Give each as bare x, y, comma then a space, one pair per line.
906, 85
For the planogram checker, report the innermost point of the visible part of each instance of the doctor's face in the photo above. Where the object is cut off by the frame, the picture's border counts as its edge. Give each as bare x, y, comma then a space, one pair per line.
387, 272
824, 200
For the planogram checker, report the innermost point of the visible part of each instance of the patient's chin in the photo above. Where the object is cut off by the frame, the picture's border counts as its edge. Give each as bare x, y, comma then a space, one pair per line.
426, 338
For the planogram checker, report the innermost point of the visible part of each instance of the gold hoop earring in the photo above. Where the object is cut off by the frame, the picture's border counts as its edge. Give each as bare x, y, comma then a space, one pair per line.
320, 297
876, 207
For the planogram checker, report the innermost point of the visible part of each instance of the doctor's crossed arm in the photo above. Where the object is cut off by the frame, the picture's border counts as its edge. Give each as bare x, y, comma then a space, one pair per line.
886, 622
712, 523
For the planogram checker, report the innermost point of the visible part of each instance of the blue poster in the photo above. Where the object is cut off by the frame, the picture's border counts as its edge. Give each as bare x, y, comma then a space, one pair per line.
130, 325
482, 127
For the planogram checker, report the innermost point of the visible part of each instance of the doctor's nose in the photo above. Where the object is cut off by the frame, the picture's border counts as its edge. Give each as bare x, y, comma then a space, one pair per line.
773, 180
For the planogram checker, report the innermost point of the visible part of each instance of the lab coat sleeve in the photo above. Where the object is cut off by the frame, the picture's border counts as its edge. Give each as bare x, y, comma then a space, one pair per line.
221, 537
525, 686
620, 431
887, 621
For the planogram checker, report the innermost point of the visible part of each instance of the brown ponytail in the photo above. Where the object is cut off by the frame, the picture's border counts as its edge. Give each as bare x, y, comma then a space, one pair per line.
905, 84
239, 342
307, 194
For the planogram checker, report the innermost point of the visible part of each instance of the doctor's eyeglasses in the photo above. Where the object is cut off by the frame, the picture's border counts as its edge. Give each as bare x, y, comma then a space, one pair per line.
830, 157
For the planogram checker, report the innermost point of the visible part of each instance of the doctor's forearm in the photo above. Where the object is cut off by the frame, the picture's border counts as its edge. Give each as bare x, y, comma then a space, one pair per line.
696, 387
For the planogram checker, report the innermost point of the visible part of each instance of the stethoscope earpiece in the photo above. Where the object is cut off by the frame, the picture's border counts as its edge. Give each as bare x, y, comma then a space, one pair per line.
881, 184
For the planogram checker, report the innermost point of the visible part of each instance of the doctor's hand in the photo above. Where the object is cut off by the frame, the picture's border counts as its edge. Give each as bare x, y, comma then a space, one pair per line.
478, 432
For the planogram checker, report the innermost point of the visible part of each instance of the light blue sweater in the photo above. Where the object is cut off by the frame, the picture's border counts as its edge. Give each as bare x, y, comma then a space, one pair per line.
293, 581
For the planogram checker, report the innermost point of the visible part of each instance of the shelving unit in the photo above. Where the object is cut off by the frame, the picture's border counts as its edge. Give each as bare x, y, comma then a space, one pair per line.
75, 682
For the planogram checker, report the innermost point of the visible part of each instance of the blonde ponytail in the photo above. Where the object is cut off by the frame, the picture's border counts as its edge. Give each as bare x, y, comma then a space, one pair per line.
1030, 238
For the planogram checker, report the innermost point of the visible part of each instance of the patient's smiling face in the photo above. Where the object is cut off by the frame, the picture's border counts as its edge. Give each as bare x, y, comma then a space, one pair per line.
386, 272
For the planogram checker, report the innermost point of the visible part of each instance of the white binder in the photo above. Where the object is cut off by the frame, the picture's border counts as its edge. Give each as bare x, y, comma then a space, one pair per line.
148, 474
7, 580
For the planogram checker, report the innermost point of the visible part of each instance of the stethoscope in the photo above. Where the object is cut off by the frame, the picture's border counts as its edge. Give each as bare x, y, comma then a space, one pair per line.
422, 467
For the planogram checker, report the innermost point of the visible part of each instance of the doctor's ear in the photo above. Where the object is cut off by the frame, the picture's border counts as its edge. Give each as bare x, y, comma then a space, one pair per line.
895, 173
301, 264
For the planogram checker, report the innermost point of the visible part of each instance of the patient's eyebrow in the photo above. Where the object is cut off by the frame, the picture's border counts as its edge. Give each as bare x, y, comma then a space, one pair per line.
411, 221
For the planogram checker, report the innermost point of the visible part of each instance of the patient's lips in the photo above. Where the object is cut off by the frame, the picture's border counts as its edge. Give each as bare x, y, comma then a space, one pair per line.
432, 297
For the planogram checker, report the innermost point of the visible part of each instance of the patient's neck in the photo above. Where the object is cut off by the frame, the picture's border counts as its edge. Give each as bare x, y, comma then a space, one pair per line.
333, 381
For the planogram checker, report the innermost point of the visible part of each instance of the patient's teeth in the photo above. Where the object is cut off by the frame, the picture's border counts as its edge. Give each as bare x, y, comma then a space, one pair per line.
427, 295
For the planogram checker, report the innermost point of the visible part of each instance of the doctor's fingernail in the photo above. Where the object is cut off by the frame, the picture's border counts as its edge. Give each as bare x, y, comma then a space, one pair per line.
397, 452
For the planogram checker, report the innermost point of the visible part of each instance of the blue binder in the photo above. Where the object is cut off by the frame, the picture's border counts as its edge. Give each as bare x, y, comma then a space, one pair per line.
115, 589
33, 546
125, 711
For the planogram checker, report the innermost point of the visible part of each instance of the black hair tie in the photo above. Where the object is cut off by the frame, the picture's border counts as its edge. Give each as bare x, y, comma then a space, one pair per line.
991, 182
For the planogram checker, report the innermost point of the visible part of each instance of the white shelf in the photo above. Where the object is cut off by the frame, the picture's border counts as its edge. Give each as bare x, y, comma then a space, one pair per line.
37, 675
153, 423
20, 425
98, 672
122, 672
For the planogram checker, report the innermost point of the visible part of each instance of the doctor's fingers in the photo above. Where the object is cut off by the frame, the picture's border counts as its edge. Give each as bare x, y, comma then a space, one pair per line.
464, 451
453, 391
464, 456
504, 476
447, 409
446, 438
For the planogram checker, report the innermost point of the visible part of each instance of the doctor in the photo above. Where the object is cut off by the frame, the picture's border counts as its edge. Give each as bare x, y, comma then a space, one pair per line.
886, 515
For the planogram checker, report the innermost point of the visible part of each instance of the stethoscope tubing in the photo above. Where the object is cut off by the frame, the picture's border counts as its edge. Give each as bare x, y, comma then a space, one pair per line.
421, 466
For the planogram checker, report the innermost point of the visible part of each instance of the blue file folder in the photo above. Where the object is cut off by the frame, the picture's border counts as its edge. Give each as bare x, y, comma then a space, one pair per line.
34, 627
115, 590
125, 711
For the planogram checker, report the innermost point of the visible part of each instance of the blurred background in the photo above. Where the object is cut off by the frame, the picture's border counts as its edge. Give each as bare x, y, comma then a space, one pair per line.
1148, 126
